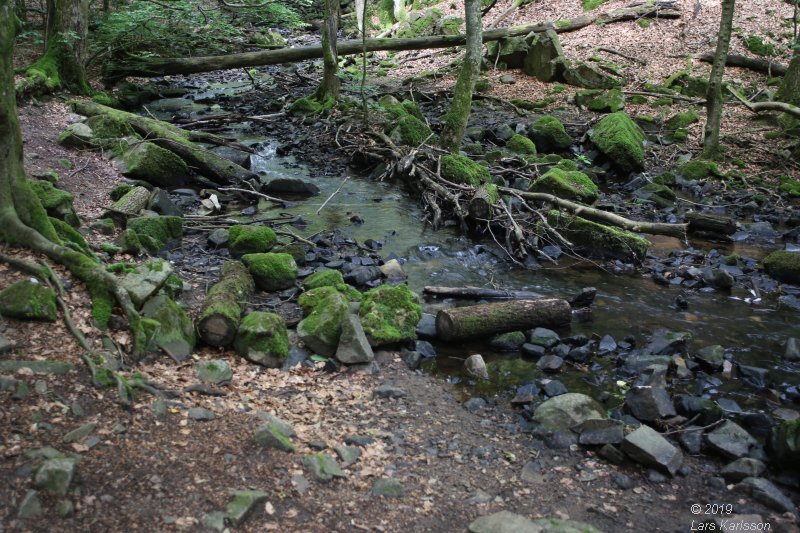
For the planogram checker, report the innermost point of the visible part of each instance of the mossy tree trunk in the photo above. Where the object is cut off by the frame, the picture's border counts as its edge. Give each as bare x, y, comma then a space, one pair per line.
790, 87
714, 96
455, 120
480, 321
23, 220
61, 66
329, 86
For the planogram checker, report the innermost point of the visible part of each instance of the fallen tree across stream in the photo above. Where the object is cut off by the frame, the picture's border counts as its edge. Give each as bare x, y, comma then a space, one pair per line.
476, 321
156, 66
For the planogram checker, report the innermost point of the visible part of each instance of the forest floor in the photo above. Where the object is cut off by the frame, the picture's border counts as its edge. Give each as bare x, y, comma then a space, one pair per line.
155, 469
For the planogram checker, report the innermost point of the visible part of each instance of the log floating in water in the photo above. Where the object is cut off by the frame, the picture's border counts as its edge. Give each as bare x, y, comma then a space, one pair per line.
222, 309
478, 292
475, 321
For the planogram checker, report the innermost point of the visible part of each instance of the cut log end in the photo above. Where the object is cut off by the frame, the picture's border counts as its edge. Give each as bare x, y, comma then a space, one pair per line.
217, 330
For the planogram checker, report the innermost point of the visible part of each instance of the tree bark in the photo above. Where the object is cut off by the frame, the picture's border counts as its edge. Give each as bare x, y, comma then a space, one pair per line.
709, 224
714, 96
790, 88
757, 65
177, 140
222, 309
454, 123
480, 205
476, 321
329, 86
62, 63
152, 67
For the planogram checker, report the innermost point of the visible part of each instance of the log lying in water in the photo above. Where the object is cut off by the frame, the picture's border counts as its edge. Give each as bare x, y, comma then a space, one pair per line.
478, 292
150, 67
177, 140
222, 309
475, 321
710, 225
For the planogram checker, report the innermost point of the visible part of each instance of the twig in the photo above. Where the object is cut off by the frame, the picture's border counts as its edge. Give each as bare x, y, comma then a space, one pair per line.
334, 193
626, 56
254, 193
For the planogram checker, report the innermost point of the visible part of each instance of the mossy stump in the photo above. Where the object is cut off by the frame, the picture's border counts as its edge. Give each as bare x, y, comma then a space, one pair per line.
221, 313
262, 339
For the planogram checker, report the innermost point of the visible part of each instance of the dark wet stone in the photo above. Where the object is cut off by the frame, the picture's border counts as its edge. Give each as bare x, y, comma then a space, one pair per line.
296, 357
607, 344
544, 337
652, 376
621, 481
600, 431
718, 278
426, 328
161, 203
291, 186
562, 350
248, 211
759, 424
711, 357
552, 387
218, 237
743, 468
647, 446
792, 352
581, 354
666, 342
388, 391
690, 406
635, 363
560, 440
361, 275
318, 445
550, 363
508, 342
612, 454
754, 376
411, 359
526, 394
425, 349
731, 440
531, 472
729, 405
649, 403
239, 157
767, 493
584, 298
532, 350
348, 454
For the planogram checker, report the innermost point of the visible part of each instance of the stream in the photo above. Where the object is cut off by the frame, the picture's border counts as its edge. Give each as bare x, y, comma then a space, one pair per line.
752, 330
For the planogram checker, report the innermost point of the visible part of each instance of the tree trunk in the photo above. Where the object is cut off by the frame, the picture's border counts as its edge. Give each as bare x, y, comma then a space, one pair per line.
714, 96
176, 140
481, 203
23, 220
476, 321
152, 67
710, 225
454, 123
222, 309
757, 65
62, 63
790, 88
329, 86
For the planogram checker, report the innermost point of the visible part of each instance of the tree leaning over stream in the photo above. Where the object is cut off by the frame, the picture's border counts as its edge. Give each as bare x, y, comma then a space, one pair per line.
454, 122
61, 66
714, 96
23, 220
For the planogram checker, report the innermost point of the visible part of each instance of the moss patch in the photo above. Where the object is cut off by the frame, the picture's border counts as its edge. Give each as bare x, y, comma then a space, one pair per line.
621, 140
56, 202
246, 239
600, 101
175, 333
325, 308
155, 233
71, 238
410, 131
589, 5
461, 169
390, 314
263, 339
27, 300
310, 105
271, 272
783, 266
323, 278
153, 164
549, 133
789, 186
756, 45
521, 145
698, 169
597, 239
568, 184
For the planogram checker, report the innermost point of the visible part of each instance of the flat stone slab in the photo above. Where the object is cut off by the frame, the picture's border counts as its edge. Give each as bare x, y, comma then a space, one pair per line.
767, 493
563, 412
731, 440
144, 282
646, 445
38, 367
241, 503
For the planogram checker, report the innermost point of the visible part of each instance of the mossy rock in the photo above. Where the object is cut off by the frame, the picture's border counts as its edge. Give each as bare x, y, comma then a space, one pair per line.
271, 272
698, 169
756, 45
27, 300
71, 237
410, 131
588, 76
323, 278
309, 105
151, 163
590, 5
519, 144
450, 25
694, 86
268, 39
783, 266
108, 127
296, 250
390, 314
156, 233
598, 240
128, 243
106, 100
246, 239
600, 101
421, 24
120, 190
789, 186
325, 309
621, 140
659, 194
512, 52
459, 168
175, 334
78, 136
262, 338
549, 134
57, 202
567, 184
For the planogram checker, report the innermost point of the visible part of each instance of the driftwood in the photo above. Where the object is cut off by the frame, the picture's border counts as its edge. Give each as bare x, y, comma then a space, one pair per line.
476, 321
179, 141
758, 65
708, 224
478, 292
222, 309
151, 67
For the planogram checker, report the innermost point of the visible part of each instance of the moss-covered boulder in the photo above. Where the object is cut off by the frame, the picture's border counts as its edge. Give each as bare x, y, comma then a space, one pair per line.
323, 278
675, 126
783, 266
570, 185
250, 240
549, 134
510, 52
78, 136
27, 300
325, 309
420, 24
661, 195
268, 39
588, 76
461, 169
144, 281
694, 86
449, 25
698, 169
521, 145
262, 339
597, 240
410, 131
57, 202
128, 243
621, 140
600, 101
545, 57
151, 163
157, 233
271, 272
107, 128
175, 334
390, 314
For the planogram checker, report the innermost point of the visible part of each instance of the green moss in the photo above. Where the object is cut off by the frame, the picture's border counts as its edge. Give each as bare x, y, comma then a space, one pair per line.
600, 101
324, 309
682, 120
621, 140
597, 239
27, 300
423, 25
521, 145
105, 99
756, 45
789, 186
492, 192
558, 88
271, 272
70, 237
173, 286
461, 169
390, 314
246, 239
589, 5
411, 131
227, 296
783, 266
109, 127
698, 169
120, 190
323, 278
129, 243
567, 164
56, 202
571, 185
262, 337
549, 132
155, 233
638, 99
482, 84
149, 162
310, 105
175, 334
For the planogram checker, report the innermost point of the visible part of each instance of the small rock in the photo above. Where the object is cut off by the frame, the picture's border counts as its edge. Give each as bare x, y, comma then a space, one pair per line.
353, 346
79, 433
200, 413
215, 371
280, 424
767, 493
55, 476
508, 342
607, 344
622, 482
65, 508
270, 436
393, 270
30, 507
654, 476
567, 410
553, 387
645, 445
711, 357
544, 337
476, 366
242, 502
322, 466
691, 439
426, 327
599, 431
218, 237
612, 454
214, 520
649, 403
475, 404
504, 522
792, 352
411, 359
731, 440
550, 363
425, 349
743, 468
388, 391
359, 440
348, 454
388, 488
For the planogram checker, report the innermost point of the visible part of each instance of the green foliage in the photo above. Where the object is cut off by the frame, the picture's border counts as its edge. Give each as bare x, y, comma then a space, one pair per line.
756, 45
589, 5
789, 186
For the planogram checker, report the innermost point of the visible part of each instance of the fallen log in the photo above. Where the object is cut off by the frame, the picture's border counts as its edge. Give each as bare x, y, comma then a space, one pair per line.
179, 141
222, 309
709, 224
464, 323
478, 292
480, 205
758, 65
151, 67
